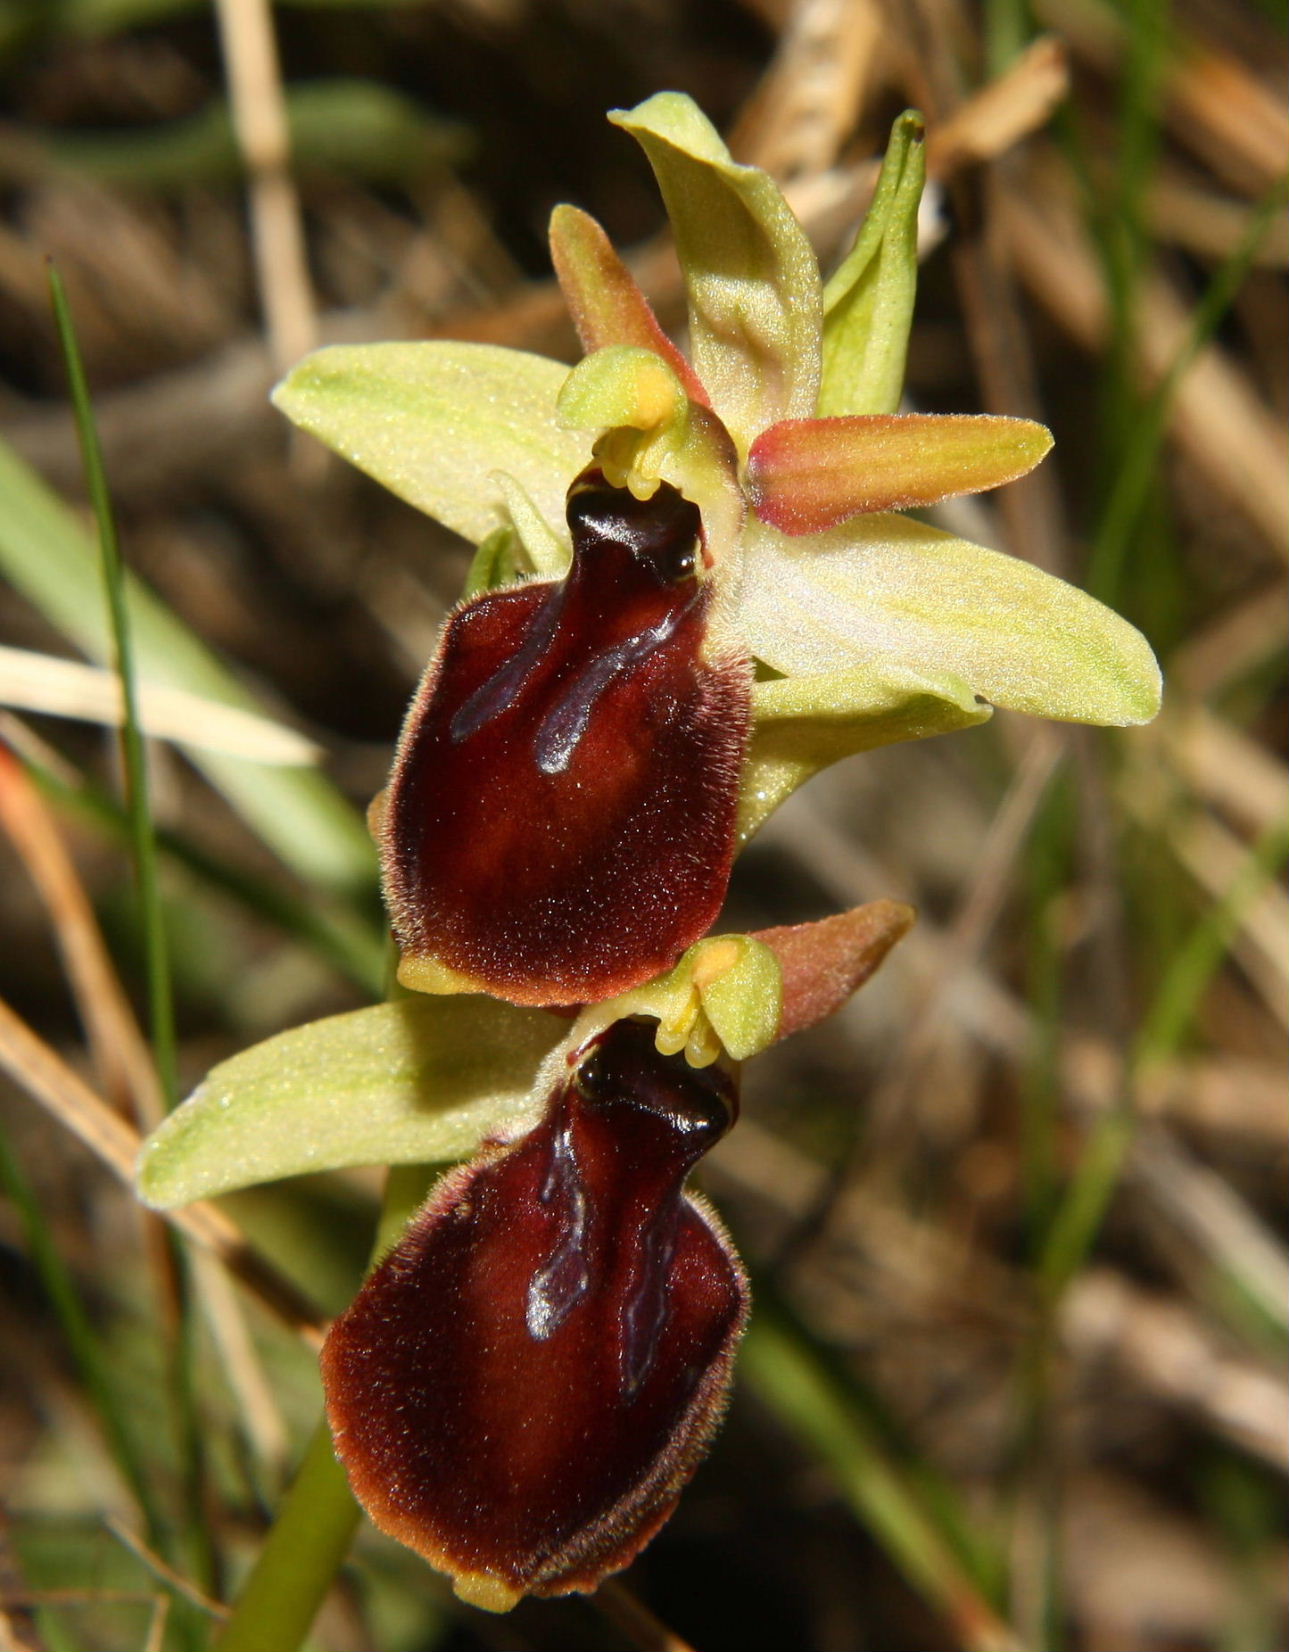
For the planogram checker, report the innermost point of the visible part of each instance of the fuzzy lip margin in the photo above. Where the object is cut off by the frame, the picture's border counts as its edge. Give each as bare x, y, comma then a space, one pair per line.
440, 1382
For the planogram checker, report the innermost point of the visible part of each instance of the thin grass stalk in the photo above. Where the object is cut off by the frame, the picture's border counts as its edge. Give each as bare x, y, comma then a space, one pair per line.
142, 835
78, 1330
181, 1337
354, 949
1142, 442
779, 1363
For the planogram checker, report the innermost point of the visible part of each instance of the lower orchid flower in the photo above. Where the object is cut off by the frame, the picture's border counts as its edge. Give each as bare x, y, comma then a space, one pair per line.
526, 1382
692, 590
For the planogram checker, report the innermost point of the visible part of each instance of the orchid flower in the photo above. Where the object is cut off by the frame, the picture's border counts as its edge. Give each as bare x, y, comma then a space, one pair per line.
692, 590
525, 1383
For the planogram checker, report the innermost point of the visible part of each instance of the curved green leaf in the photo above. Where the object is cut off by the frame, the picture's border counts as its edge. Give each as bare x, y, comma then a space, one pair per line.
433, 421
419, 1081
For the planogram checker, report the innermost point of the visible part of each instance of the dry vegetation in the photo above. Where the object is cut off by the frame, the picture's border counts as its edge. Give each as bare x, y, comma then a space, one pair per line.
1016, 1214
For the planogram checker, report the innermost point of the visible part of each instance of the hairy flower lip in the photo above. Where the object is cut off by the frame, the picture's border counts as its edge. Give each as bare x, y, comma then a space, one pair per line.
563, 732
524, 1385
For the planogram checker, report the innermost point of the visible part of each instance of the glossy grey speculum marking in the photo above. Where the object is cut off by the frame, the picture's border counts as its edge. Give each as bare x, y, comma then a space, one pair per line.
569, 718
557, 1287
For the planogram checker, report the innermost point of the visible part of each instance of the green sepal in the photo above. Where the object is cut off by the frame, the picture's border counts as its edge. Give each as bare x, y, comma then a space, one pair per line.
883, 591
868, 303
540, 549
803, 724
420, 1081
750, 273
434, 420
498, 560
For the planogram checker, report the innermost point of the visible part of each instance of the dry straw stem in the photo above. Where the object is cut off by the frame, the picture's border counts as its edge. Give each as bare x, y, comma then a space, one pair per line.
633, 1619
922, 1273
39, 1070
1213, 104
259, 120
1230, 438
809, 98
120, 1055
1189, 1198
69, 688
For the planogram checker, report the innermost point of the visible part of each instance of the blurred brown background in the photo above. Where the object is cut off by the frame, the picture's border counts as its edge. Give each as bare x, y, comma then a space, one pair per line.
1019, 1208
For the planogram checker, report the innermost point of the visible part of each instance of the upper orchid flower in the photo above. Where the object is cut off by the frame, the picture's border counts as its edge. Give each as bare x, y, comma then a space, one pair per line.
717, 600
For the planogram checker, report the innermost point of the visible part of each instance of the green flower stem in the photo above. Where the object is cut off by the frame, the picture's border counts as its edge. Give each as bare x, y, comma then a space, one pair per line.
318, 1517
299, 1561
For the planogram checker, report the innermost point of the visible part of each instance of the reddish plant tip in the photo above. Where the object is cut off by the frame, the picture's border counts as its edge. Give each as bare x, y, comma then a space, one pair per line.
560, 819
524, 1385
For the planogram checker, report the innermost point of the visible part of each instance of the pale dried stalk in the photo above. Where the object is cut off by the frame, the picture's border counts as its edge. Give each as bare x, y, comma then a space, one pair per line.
260, 123
39, 1070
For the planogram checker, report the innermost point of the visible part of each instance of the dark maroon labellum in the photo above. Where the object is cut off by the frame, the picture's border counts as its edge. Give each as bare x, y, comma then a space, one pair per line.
560, 822
524, 1385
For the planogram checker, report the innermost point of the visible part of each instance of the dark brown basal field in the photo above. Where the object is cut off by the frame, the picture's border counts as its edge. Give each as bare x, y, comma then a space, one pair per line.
1015, 1216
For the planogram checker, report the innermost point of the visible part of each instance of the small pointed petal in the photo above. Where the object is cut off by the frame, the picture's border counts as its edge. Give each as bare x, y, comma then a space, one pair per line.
414, 1082
602, 296
807, 475
432, 421
524, 1386
560, 820
888, 589
868, 303
804, 724
547, 554
750, 273
824, 963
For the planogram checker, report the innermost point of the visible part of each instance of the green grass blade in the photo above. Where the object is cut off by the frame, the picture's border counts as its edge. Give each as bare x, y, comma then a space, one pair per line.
350, 943
82, 1340
1138, 465
182, 1370
1087, 1197
1202, 953
45, 553
142, 840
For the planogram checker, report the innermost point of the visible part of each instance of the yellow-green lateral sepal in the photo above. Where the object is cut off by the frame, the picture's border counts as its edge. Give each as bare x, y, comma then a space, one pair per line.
886, 589
433, 421
416, 1082
868, 303
750, 273
724, 994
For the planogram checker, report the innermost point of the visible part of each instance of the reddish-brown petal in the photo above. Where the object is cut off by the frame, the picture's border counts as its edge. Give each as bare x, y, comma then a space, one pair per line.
823, 963
560, 821
525, 1384
806, 475
603, 297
